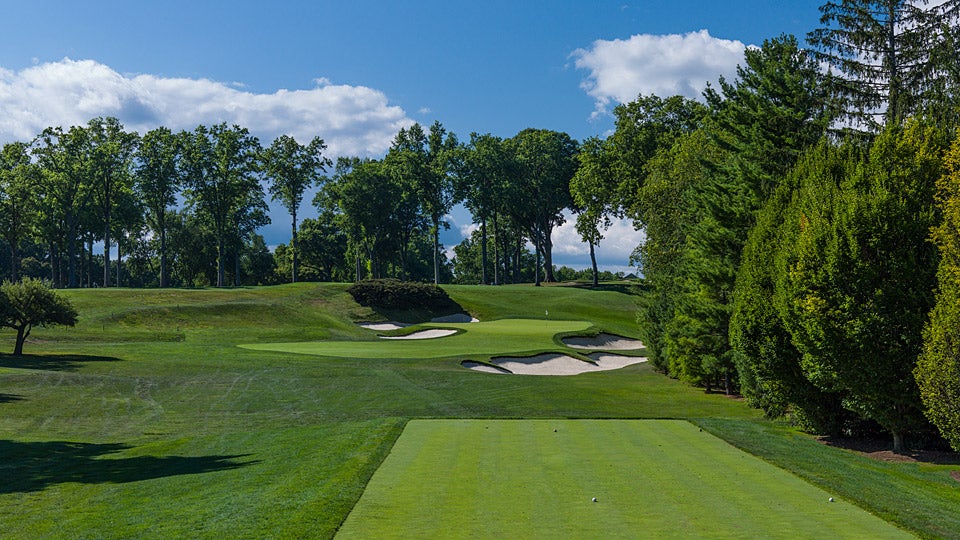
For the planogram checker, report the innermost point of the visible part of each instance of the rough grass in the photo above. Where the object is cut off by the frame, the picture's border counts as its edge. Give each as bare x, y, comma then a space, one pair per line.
658, 478
147, 419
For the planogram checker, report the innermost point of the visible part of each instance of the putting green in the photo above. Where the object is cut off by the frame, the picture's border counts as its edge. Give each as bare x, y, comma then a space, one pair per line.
506, 336
537, 478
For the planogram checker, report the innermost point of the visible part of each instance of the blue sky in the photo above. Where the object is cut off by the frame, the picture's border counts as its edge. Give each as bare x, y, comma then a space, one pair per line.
355, 72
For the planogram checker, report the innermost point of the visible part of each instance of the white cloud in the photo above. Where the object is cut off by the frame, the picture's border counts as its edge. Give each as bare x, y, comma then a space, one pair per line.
664, 65
352, 120
467, 230
618, 243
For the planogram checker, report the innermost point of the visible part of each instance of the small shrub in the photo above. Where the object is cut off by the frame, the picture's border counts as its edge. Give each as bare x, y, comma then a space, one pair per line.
395, 294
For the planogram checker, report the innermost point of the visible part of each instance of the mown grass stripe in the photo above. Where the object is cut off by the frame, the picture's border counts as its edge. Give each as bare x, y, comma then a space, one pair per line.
537, 478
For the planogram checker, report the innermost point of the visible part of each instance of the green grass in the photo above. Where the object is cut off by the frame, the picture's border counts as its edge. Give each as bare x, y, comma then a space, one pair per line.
537, 478
148, 420
504, 336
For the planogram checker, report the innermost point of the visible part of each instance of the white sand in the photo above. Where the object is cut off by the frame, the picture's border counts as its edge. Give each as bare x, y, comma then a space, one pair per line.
425, 334
556, 364
615, 361
477, 366
380, 327
607, 342
455, 318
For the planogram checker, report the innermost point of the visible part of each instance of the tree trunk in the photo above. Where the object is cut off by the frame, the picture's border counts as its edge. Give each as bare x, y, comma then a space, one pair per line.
106, 248
483, 250
293, 247
53, 266
897, 442
496, 251
546, 244
516, 261
22, 334
14, 274
119, 265
537, 250
436, 251
72, 251
236, 266
163, 258
90, 261
221, 271
593, 264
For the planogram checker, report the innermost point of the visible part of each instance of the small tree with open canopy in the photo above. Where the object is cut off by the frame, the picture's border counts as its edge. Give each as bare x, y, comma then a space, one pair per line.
29, 303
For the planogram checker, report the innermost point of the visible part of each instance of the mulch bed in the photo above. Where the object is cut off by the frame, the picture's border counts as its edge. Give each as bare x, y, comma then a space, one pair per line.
879, 449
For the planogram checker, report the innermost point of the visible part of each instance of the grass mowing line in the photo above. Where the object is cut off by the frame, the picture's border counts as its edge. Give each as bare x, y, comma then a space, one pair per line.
537, 478
505, 336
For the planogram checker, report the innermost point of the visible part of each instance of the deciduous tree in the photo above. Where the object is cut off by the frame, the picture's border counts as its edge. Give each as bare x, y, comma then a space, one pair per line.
938, 369
18, 199
158, 182
546, 161
29, 303
220, 167
292, 169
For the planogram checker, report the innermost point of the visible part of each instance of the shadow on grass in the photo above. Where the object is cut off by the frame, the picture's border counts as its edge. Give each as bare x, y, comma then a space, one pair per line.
623, 288
51, 362
32, 466
418, 315
10, 398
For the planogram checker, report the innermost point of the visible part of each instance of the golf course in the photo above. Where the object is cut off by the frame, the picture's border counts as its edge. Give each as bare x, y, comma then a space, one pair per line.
270, 412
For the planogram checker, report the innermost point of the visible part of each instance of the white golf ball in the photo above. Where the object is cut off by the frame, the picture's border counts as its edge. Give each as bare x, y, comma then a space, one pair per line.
594, 499
830, 499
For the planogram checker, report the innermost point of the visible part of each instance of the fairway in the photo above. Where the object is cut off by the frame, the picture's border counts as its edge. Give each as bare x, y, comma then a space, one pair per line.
506, 336
537, 478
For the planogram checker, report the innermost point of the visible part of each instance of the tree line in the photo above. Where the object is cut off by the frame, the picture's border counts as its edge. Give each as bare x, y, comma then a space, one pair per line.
788, 218
184, 208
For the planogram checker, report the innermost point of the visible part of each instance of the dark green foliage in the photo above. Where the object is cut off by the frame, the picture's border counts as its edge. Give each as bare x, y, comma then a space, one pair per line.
644, 127
292, 168
395, 294
856, 287
422, 164
158, 182
938, 369
29, 303
19, 180
884, 56
546, 161
484, 168
768, 363
219, 166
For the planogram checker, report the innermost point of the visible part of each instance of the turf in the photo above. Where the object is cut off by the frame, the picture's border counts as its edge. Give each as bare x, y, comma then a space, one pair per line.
504, 336
147, 419
537, 478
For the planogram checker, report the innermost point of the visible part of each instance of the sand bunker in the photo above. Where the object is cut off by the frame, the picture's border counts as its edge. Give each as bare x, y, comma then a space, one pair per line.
425, 334
555, 364
477, 366
608, 342
381, 327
